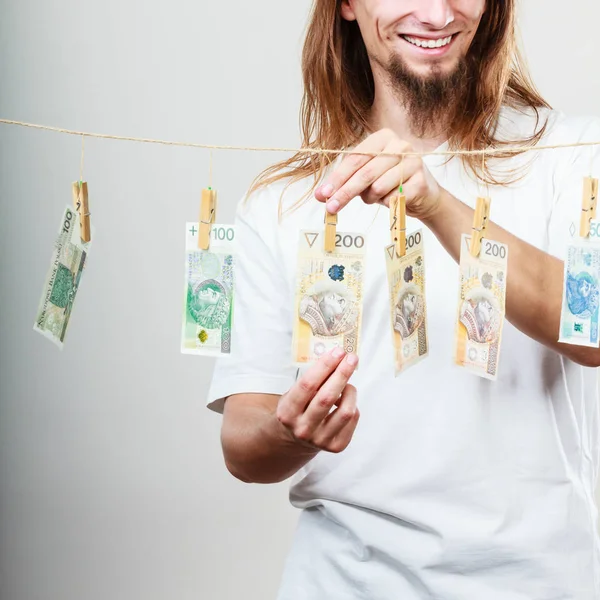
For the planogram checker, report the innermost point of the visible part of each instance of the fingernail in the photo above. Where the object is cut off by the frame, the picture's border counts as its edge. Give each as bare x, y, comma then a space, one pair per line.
326, 190
333, 206
352, 360
338, 353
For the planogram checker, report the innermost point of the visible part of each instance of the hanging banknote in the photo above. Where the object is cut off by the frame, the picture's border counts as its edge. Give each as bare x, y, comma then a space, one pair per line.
209, 277
481, 307
63, 279
581, 296
408, 304
329, 295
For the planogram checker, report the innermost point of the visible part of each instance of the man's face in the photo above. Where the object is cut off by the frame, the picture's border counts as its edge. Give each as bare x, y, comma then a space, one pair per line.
406, 30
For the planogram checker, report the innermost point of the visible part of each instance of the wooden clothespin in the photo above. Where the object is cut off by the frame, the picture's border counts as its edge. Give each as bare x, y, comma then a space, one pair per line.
398, 222
208, 210
588, 205
480, 223
80, 202
330, 231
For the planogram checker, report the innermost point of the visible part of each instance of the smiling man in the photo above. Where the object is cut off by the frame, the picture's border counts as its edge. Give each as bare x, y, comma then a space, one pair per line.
444, 485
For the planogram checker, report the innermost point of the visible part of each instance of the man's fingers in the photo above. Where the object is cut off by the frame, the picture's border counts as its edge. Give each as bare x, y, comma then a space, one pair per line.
338, 427
387, 185
362, 180
303, 391
351, 163
382, 189
365, 177
341, 441
330, 392
345, 412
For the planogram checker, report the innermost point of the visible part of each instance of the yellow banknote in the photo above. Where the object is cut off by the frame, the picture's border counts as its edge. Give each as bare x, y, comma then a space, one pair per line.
481, 307
329, 295
408, 304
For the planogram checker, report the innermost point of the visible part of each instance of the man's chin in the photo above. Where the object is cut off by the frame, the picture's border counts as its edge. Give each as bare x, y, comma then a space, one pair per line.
430, 92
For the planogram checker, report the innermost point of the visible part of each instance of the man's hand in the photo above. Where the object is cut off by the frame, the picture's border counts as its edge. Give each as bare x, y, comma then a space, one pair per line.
305, 411
377, 178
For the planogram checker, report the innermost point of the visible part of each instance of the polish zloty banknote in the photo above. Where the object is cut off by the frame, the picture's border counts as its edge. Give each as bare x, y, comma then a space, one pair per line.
209, 277
581, 298
329, 295
481, 307
408, 304
62, 283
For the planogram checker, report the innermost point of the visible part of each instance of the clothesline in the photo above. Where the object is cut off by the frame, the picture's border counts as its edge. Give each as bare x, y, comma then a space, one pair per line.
486, 152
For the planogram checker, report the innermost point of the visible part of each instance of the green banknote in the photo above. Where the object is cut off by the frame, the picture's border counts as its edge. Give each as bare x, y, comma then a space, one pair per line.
62, 283
209, 277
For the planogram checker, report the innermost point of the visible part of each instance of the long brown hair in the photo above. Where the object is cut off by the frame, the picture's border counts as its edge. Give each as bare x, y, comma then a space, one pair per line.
339, 91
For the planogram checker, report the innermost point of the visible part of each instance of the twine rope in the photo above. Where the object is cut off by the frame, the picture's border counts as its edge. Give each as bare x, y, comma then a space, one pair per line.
326, 151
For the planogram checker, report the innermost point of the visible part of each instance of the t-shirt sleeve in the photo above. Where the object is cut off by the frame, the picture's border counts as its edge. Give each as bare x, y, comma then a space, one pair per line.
261, 357
571, 165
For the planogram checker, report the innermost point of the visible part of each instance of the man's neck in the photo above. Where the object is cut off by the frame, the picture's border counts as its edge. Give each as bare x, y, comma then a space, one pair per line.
388, 112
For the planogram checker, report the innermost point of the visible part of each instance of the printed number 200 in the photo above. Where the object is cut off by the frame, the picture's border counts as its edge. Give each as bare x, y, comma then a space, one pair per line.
348, 241
495, 250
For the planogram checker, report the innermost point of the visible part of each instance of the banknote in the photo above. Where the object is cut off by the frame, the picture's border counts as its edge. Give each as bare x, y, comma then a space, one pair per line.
209, 277
581, 298
408, 304
481, 307
329, 295
63, 279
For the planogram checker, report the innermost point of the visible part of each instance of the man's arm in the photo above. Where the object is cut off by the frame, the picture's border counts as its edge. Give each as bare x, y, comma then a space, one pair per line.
267, 438
534, 286
535, 279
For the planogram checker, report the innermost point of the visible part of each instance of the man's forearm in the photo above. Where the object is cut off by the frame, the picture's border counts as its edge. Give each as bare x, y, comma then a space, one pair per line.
534, 283
256, 446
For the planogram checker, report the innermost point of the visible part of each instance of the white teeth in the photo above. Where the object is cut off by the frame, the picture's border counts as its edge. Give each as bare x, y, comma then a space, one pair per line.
421, 43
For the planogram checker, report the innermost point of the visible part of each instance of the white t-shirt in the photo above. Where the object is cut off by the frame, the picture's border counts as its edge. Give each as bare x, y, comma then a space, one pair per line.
453, 487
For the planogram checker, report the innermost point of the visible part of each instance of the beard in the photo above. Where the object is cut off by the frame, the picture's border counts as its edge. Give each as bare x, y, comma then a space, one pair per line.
433, 101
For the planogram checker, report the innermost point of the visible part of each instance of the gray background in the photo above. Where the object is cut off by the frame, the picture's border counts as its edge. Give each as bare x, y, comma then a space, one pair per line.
112, 484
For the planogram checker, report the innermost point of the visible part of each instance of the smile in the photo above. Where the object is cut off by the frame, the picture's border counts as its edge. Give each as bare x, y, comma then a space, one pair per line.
424, 43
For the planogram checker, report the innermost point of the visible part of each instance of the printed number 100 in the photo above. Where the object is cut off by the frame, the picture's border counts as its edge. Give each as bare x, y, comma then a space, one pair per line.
223, 233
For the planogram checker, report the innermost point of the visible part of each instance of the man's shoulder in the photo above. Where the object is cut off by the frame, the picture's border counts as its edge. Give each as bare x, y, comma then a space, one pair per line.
559, 127
567, 129
516, 123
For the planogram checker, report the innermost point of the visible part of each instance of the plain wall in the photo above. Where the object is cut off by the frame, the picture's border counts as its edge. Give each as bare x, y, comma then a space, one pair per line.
112, 484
